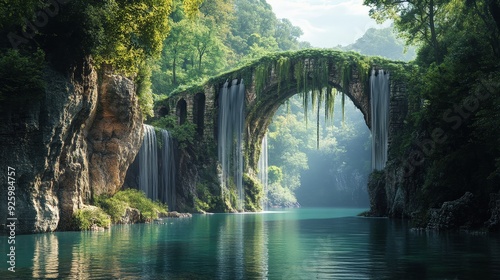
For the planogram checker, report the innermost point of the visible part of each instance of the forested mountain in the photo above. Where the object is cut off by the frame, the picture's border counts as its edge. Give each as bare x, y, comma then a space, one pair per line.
383, 42
223, 35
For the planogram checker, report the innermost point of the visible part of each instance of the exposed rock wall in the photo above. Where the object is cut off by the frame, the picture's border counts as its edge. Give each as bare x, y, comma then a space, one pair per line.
75, 141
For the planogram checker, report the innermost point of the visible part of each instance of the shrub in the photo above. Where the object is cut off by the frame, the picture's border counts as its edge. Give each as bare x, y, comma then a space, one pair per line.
137, 199
113, 206
85, 218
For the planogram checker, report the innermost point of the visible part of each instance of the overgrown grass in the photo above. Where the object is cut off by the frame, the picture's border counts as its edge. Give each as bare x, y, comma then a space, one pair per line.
85, 218
116, 205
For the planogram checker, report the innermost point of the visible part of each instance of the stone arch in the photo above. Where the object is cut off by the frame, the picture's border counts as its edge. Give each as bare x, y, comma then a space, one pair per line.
199, 113
181, 111
272, 79
262, 109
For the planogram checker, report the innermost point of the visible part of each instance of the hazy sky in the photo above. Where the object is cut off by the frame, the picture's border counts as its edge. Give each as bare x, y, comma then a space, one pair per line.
326, 23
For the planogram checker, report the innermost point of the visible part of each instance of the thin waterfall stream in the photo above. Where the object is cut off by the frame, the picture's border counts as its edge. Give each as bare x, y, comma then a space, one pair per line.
230, 138
379, 94
263, 166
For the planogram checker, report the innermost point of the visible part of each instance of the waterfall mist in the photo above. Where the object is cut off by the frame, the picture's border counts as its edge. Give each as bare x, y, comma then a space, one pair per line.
379, 95
230, 138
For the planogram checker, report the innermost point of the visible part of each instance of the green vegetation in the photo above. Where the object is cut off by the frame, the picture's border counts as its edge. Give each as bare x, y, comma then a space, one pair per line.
450, 144
21, 76
118, 35
185, 133
253, 193
224, 35
116, 205
336, 169
205, 200
85, 218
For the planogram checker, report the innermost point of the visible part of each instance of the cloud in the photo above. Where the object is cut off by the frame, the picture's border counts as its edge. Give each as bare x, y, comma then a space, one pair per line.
326, 23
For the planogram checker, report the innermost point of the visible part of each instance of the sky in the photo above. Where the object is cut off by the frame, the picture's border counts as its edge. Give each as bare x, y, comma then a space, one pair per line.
327, 23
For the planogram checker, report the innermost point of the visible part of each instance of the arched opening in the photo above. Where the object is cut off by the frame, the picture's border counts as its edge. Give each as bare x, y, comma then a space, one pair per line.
199, 113
344, 172
181, 111
163, 111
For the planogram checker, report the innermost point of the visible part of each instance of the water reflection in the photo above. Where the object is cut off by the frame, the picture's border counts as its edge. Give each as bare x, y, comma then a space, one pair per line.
46, 256
242, 248
293, 245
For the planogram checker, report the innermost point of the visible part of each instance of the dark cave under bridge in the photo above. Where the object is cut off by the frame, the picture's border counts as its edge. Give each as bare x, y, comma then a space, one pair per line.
273, 79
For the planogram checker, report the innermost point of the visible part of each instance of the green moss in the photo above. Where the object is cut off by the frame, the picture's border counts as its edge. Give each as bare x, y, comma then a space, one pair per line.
84, 219
254, 193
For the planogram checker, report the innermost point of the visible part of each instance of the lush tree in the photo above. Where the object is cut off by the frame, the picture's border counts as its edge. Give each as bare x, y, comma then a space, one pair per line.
287, 35
419, 21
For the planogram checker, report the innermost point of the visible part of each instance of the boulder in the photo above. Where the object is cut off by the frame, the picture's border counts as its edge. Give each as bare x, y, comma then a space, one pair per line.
131, 216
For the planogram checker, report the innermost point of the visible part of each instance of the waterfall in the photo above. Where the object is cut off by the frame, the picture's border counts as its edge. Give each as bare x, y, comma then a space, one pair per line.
157, 167
230, 138
167, 192
148, 163
263, 166
379, 95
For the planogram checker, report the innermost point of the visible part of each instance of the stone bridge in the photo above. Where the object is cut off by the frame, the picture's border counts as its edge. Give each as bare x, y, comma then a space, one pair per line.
271, 80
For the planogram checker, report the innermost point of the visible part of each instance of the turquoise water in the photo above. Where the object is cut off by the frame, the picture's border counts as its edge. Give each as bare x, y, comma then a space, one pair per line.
319, 243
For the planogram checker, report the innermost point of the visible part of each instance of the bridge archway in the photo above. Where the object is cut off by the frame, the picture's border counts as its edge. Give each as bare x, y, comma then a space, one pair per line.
260, 112
273, 79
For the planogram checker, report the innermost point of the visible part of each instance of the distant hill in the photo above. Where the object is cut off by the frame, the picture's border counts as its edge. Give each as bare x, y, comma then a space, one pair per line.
382, 42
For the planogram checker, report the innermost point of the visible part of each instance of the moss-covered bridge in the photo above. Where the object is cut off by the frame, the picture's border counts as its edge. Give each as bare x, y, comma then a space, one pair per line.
271, 80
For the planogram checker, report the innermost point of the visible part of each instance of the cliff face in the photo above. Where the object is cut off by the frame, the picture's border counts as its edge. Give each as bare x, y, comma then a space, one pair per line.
74, 142
397, 193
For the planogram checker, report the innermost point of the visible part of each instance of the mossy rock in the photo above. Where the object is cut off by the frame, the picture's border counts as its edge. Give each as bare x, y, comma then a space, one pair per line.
254, 193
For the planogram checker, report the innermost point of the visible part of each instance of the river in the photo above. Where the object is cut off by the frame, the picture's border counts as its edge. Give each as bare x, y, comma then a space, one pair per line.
306, 243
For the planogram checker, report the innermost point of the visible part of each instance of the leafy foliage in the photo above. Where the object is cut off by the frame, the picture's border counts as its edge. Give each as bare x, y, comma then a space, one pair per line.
84, 219
137, 199
116, 205
224, 34
21, 76
454, 93
185, 133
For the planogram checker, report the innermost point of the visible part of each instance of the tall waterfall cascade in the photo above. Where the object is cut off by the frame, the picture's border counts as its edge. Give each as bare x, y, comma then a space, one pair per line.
230, 137
379, 96
157, 167
148, 163
167, 170
263, 167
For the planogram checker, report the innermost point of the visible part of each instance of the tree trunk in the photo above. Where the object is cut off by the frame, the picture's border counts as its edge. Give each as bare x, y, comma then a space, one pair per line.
435, 44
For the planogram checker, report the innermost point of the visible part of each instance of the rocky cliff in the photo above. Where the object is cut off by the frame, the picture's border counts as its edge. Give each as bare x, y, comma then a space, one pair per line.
395, 192
75, 141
